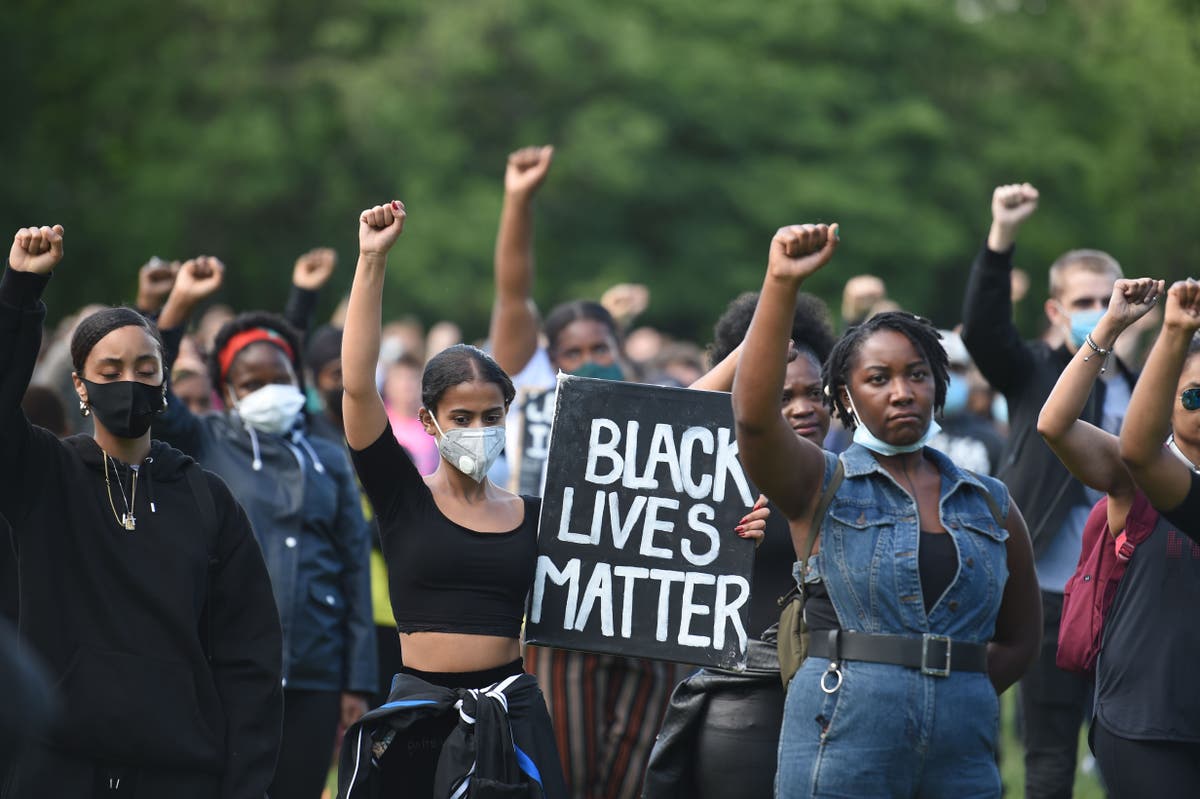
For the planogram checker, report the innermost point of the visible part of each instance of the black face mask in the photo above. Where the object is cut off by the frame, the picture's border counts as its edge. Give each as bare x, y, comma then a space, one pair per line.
126, 408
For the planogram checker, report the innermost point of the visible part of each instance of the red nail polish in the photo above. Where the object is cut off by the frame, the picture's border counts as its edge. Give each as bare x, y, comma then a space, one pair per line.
395, 205
739, 529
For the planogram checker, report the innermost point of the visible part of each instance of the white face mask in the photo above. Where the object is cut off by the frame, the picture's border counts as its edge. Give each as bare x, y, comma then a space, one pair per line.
471, 450
272, 408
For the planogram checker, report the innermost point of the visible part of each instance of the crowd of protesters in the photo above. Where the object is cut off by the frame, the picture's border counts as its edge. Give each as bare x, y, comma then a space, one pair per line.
242, 540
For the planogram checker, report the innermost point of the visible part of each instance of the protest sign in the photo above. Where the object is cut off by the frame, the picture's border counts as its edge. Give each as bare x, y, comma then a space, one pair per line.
637, 554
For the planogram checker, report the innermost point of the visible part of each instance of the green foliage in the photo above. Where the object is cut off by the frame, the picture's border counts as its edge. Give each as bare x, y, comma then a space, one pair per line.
255, 131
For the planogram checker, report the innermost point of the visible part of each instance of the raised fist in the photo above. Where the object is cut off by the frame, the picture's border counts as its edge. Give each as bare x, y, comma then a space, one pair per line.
36, 249
379, 227
312, 270
1133, 299
1013, 204
198, 279
1183, 306
155, 280
798, 251
626, 301
527, 169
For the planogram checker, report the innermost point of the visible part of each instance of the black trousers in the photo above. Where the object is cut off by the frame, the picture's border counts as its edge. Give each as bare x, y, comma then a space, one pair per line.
1138, 769
1053, 705
310, 720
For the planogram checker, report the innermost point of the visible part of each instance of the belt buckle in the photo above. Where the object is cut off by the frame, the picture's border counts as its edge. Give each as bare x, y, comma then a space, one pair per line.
934, 671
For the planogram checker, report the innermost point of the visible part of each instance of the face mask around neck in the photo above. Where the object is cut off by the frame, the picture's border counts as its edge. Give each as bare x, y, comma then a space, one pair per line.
471, 450
865, 438
271, 409
126, 408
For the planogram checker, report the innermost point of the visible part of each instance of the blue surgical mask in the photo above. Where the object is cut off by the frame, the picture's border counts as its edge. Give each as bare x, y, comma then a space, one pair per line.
957, 392
865, 438
1000, 409
1083, 323
598, 371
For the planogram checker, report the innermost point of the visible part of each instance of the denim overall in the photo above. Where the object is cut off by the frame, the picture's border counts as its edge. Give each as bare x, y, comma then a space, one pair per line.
887, 730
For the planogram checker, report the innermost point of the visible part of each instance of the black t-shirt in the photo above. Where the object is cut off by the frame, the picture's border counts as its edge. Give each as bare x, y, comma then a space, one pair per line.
1187, 516
443, 577
1146, 687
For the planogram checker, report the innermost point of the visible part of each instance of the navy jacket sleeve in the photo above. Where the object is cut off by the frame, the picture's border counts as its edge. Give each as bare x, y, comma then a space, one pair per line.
246, 653
988, 330
360, 670
25, 448
177, 425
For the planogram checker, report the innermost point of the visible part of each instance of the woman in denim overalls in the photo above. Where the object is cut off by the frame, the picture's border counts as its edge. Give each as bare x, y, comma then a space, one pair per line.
898, 697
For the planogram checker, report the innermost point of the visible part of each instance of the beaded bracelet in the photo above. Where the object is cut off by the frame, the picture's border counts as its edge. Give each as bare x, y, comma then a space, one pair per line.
1097, 350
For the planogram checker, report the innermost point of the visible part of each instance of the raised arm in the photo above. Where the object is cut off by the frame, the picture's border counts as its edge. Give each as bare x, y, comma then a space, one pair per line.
362, 407
785, 467
155, 280
1089, 453
196, 280
514, 328
309, 275
1163, 477
988, 330
34, 254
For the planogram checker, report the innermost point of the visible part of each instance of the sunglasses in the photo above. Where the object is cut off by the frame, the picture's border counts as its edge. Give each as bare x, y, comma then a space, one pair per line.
1190, 399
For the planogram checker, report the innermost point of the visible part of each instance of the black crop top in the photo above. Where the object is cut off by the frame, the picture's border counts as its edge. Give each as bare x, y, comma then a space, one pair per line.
443, 577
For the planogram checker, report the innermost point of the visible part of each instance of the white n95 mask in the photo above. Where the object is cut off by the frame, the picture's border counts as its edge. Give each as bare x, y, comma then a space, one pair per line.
471, 450
272, 408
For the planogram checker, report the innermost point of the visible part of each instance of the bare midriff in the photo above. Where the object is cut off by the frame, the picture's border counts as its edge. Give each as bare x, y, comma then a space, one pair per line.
457, 652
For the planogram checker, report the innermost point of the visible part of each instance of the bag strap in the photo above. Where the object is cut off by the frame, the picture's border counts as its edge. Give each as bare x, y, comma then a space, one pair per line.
993, 506
818, 518
202, 493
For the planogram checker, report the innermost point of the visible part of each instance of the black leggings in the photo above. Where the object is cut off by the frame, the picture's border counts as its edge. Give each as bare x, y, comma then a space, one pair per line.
410, 762
1136, 769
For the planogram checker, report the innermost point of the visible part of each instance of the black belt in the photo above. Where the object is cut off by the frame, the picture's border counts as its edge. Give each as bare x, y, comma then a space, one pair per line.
934, 655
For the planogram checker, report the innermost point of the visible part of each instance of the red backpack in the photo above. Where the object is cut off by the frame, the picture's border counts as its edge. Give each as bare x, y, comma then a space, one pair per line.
1090, 591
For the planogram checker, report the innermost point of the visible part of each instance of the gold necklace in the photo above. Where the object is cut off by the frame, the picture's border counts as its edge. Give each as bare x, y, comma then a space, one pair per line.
127, 519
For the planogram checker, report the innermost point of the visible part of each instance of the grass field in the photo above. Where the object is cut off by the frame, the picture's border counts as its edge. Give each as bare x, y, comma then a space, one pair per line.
1012, 763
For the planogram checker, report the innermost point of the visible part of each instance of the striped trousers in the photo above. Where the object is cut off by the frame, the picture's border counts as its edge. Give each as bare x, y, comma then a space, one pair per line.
606, 711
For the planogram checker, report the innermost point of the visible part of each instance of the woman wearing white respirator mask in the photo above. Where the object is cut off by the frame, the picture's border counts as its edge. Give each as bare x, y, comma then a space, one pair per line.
301, 497
461, 553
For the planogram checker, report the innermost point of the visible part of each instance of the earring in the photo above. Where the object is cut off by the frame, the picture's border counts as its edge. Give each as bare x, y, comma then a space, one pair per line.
84, 410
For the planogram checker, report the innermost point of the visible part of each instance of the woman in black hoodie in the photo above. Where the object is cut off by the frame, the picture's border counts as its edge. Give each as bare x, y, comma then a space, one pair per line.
141, 585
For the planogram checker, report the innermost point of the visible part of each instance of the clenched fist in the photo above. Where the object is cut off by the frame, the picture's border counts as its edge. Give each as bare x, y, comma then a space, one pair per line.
798, 251
379, 227
1183, 306
1011, 206
198, 279
36, 249
155, 280
312, 270
527, 169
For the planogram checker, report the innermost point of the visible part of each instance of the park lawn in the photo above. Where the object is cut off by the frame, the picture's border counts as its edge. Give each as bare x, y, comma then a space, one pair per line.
1012, 762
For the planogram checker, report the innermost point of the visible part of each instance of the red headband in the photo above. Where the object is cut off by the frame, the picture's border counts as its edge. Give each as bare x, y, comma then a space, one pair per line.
240, 341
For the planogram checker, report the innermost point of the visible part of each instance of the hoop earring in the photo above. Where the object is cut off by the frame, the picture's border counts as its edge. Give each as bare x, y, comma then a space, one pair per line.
84, 410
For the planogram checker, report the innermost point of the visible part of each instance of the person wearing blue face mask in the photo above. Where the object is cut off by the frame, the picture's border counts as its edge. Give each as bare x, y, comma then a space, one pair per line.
922, 603
1053, 701
969, 439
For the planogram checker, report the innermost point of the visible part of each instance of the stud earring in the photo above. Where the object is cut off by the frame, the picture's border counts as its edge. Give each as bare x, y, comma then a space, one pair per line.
84, 410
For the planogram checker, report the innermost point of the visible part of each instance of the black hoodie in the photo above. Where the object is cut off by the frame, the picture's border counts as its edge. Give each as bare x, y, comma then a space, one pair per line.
164, 641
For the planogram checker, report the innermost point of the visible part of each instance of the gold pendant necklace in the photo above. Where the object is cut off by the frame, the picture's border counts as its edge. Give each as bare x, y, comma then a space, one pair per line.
127, 520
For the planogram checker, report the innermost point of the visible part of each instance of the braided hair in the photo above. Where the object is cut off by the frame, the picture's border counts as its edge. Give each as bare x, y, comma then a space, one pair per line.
920, 331
98, 325
249, 321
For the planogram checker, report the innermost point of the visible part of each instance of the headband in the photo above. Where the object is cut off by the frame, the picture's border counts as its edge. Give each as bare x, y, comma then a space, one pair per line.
240, 341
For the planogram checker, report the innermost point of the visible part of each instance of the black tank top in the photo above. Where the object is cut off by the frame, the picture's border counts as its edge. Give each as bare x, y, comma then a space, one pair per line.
937, 562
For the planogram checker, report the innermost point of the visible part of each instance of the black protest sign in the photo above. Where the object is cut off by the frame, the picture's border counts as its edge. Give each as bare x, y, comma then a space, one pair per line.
537, 416
637, 554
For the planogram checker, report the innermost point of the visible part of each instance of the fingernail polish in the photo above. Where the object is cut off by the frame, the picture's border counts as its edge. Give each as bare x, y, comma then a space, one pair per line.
395, 205
739, 529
